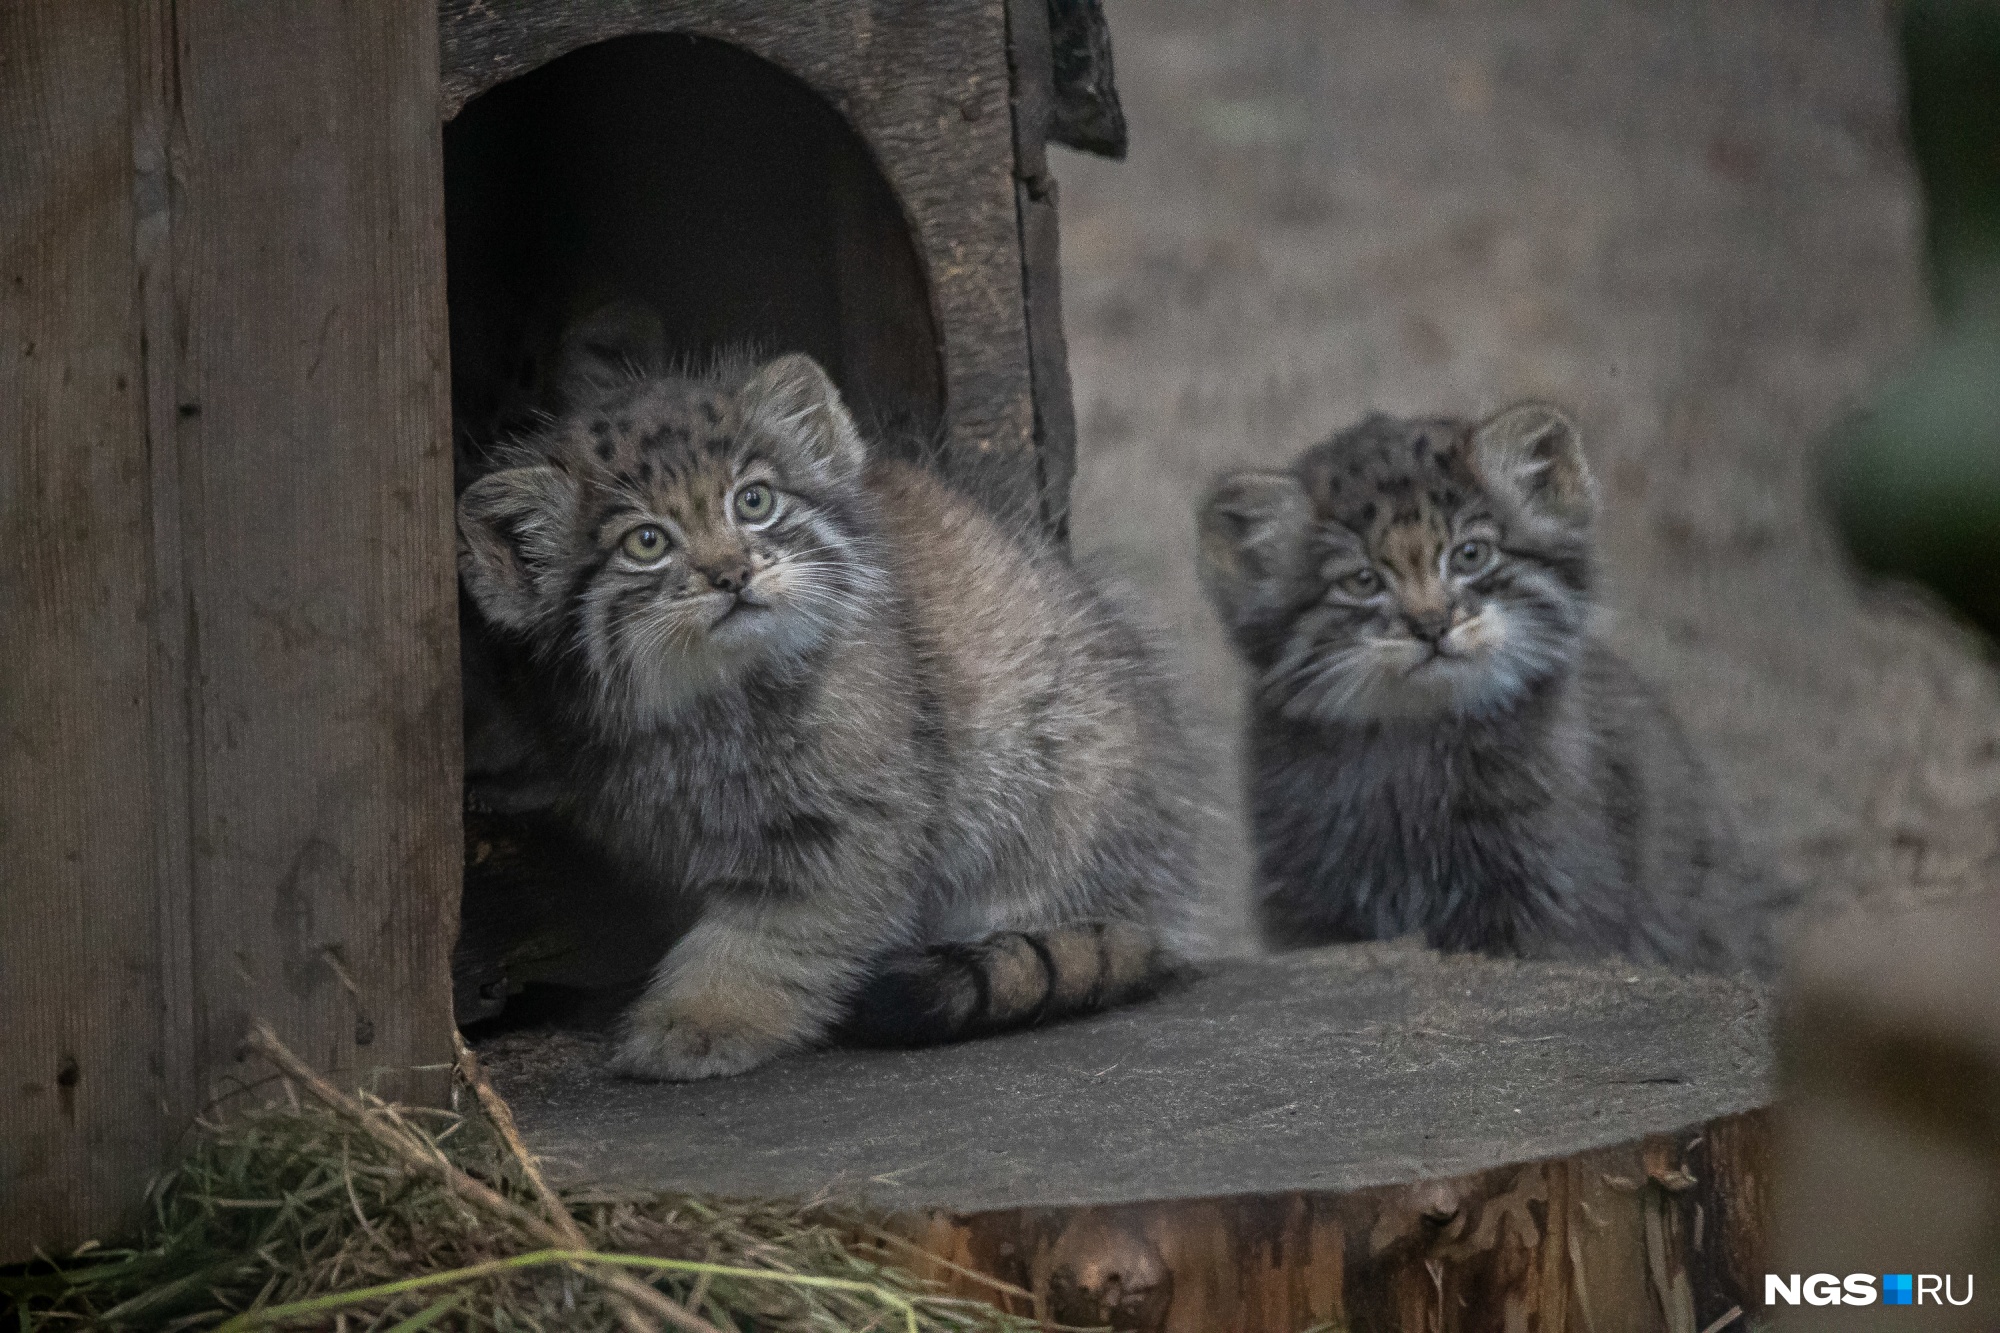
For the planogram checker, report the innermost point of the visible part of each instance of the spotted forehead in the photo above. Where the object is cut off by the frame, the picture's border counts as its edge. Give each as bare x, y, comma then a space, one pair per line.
674, 453
667, 424
1391, 483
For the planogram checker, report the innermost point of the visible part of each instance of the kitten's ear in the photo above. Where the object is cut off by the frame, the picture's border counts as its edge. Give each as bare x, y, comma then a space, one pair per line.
1253, 528
511, 529
608, 348
1532, 453
793, 400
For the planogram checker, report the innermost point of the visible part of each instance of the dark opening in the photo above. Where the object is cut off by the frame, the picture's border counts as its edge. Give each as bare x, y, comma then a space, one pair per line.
698, 178
727, 195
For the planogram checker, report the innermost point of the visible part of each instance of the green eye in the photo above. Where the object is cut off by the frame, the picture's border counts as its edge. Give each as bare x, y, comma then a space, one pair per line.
1471, 557
1361, 583
646, 544
755, 502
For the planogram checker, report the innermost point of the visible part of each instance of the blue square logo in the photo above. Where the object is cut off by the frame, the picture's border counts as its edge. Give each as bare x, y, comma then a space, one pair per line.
1897, 1289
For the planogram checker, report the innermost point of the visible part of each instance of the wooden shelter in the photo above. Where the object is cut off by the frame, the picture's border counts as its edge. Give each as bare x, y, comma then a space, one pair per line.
230, 782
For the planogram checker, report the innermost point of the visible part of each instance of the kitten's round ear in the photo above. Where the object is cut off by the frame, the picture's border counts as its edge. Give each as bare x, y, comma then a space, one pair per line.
1253, 527
1533, 454
511, 530
795, 402
607, 349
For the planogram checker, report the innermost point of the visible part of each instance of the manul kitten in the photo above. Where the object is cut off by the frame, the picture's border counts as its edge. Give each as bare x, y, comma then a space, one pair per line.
909, 775
1438, 743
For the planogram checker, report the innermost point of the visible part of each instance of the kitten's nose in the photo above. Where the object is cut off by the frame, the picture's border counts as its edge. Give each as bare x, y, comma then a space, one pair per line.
728, 577
1430, 626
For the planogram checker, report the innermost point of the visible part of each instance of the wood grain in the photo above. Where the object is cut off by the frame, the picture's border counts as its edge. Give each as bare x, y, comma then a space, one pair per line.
1034, 107
1662, 1235
231, 767
80, 983
315, 488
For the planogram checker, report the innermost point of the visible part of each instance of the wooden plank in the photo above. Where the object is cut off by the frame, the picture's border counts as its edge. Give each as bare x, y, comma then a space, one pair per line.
1034, 108
311, 433
1372, 1136
924, 82
80, 981
156, 145
226, 573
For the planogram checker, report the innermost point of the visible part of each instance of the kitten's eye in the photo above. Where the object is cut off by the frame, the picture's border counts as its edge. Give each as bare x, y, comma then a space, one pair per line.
1471, 557
1361, 583
646, 543
754, 502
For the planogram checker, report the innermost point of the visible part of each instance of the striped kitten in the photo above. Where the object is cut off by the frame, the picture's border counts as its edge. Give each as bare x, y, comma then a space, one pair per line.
1438, 743
908, 774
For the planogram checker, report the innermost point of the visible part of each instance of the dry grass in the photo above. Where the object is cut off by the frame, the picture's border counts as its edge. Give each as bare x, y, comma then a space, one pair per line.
328, 1211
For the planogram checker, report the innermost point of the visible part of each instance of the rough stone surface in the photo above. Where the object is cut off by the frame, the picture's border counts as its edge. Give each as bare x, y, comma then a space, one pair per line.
1694, 223
1329, 1070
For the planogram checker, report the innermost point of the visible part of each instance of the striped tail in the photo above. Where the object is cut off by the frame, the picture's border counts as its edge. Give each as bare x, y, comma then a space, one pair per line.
1014, 979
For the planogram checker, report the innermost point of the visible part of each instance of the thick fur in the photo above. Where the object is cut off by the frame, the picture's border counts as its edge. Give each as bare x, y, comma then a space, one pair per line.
867, 741
1437, 743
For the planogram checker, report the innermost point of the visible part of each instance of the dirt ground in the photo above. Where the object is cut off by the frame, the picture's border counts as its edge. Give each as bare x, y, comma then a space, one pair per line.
1694, 224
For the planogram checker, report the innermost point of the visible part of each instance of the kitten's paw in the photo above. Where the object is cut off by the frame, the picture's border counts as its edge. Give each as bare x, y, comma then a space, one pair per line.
678, 1050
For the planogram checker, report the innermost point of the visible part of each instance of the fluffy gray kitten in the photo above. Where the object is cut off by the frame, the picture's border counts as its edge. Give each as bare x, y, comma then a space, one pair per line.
1437, 741
908, 773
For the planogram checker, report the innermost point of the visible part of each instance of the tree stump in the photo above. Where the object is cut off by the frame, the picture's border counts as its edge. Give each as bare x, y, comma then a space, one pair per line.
1367, 1137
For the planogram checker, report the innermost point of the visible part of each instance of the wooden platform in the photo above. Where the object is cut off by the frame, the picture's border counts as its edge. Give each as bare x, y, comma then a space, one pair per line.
1370, 1136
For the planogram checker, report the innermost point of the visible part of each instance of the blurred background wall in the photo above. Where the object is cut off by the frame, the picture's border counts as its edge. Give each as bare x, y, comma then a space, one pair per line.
1693, 224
